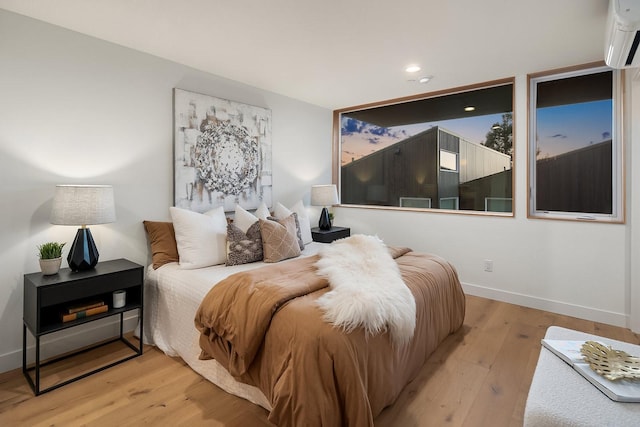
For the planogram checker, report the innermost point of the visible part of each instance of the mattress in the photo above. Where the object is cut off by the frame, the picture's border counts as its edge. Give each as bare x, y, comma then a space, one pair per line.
172, 297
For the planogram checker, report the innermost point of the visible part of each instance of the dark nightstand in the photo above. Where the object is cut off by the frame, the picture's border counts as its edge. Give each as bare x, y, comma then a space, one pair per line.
47, 297
328, 236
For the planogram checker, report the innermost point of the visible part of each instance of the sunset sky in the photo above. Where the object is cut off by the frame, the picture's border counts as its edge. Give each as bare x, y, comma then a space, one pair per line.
569, 127
473, 129
560, 129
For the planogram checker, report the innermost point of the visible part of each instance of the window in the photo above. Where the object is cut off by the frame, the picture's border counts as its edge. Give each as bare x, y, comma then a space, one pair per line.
450, 203
415, 202
448, 161
575, 149
449, 150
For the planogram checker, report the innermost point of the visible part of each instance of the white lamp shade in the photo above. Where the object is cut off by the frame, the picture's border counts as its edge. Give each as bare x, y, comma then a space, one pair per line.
83, 205
324, 195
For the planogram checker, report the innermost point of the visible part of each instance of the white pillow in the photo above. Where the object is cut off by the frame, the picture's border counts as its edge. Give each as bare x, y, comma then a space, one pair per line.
262, 212
243, 219
282, 212
201, 238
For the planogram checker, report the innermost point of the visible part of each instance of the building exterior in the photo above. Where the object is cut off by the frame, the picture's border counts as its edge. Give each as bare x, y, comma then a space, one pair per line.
445, 171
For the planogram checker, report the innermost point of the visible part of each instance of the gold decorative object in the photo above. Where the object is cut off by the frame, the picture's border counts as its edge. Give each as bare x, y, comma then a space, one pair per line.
611, 364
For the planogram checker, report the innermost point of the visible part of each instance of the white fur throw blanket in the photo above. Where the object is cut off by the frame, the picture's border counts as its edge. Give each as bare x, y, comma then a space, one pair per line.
366, 289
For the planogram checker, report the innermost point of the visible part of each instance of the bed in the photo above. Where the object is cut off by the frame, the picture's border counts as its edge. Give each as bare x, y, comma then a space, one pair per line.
353, 380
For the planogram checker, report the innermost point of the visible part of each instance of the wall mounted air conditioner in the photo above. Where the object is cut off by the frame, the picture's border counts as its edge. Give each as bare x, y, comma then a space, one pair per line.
623, 34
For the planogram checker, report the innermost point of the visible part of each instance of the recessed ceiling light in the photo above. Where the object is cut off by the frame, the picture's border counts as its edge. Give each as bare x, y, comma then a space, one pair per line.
412, 69
425, 79
469, 108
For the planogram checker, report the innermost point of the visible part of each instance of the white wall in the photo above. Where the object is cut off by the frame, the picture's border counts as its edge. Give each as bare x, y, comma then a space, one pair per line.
581, 269
633, 202
74, 109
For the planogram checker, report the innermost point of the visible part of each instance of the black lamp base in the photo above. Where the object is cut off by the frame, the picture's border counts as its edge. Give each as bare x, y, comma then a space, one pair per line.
83, 254
325, 222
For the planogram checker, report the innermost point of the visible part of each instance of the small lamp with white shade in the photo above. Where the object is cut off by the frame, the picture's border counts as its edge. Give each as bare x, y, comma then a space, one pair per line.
324, 195
83, 205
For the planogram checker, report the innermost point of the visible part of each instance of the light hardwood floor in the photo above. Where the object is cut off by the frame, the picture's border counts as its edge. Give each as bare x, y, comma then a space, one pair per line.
479, 376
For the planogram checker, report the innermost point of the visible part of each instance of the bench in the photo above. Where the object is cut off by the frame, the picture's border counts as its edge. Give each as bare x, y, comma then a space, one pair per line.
559, 396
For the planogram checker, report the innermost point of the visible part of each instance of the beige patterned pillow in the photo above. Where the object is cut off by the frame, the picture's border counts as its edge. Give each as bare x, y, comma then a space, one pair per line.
243, 248
279, 239
298, 230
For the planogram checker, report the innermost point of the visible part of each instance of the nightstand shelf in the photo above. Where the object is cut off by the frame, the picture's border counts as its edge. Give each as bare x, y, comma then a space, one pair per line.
328, 236
47, 297
111, 312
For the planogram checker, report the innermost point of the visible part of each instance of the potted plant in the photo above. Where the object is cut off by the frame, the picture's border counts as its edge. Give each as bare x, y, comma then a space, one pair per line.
50, 257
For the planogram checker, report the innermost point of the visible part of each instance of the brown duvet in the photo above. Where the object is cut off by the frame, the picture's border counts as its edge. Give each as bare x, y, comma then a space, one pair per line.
264, 326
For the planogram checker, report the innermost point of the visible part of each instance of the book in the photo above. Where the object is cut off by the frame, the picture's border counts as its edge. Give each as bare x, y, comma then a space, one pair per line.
84, 306
622, 390
85, 313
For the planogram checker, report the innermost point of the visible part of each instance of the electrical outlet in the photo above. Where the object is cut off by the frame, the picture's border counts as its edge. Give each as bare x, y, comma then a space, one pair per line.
488, 265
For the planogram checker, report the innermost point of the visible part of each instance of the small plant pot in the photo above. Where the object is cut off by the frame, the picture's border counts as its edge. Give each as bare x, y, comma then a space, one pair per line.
50, 266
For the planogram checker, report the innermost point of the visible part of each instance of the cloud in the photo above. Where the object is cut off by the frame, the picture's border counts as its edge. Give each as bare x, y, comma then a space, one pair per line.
559, 135
352, 126
606, 135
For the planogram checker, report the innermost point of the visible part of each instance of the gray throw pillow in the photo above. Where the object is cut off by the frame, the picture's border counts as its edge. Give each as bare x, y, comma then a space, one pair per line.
243, 248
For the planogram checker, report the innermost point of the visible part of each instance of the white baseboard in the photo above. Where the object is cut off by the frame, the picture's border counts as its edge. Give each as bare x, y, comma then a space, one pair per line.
581, 312
68, 340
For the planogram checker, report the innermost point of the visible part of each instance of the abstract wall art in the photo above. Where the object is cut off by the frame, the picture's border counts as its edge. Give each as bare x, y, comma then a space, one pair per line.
222, 153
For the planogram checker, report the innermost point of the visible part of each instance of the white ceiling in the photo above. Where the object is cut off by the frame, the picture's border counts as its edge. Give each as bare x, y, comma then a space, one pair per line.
342, 53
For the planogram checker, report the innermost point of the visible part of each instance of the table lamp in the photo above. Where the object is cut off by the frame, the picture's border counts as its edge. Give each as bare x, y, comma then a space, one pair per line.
324, 195
83, 205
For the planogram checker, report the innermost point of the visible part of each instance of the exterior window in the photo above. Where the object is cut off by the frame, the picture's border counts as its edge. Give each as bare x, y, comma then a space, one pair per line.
415, 202
575, 152
451, 150
450, 203
448, 161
